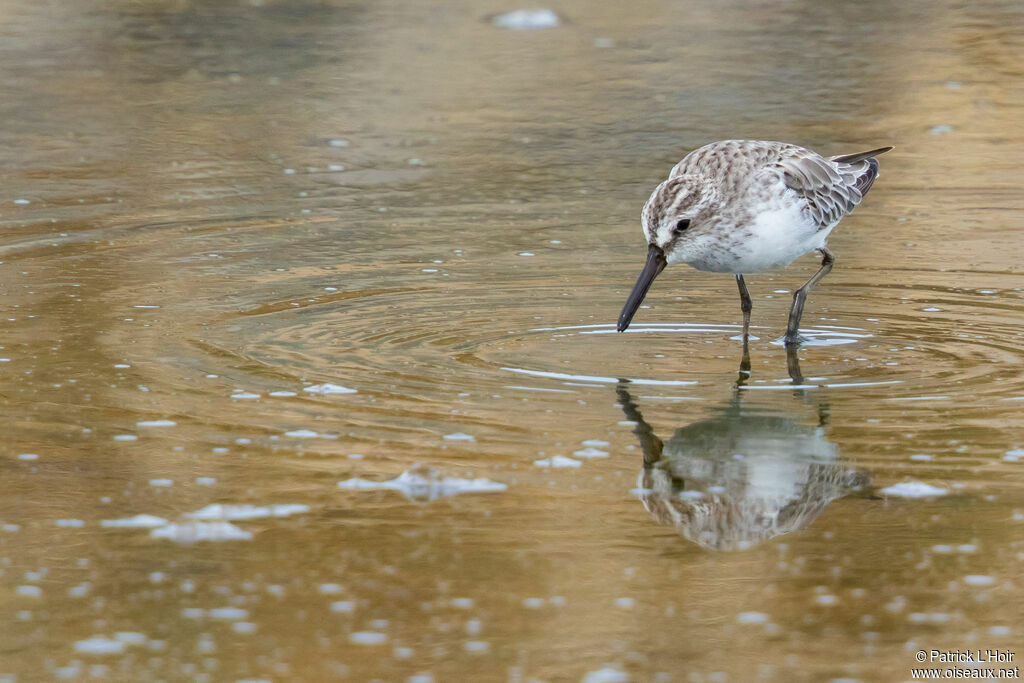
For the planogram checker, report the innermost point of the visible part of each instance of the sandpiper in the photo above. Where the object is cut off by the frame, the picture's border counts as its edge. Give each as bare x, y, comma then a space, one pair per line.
743, 206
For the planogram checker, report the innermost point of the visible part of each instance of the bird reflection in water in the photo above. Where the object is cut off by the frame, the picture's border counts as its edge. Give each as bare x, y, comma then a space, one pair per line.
740, 477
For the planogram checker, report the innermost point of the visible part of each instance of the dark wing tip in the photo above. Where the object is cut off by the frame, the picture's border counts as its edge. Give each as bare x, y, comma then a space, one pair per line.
860, 156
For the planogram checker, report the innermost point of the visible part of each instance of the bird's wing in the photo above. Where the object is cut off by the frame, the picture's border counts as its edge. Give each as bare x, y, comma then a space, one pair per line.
830, 192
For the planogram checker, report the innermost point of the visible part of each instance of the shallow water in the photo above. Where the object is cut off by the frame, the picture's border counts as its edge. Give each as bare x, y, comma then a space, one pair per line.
250, 252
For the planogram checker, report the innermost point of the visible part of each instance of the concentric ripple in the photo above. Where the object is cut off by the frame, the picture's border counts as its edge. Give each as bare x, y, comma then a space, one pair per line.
428, 348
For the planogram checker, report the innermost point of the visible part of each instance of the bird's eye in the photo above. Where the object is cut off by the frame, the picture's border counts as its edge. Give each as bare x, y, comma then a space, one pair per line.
682, 225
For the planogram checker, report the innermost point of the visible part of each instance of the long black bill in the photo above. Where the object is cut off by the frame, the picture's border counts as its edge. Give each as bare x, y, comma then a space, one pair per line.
655, 264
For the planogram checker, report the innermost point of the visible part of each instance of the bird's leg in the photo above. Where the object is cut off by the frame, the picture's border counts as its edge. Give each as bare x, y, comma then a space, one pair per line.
800, 295
745, 306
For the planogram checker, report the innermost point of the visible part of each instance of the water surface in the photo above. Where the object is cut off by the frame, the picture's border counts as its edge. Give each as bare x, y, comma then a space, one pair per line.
250, 251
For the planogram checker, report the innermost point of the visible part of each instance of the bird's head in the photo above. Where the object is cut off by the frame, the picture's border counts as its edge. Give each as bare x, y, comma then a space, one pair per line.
672, 217
673, 214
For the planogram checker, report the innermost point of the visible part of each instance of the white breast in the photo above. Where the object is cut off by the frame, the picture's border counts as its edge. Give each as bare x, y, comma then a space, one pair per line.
778, 237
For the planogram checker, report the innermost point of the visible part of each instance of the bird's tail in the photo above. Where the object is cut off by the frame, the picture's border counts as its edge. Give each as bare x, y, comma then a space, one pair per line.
862, 166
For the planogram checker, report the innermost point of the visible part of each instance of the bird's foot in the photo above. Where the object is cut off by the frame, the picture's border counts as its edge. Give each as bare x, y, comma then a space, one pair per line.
793, 340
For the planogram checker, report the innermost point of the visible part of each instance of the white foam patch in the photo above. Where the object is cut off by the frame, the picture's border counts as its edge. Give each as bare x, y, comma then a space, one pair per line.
602, 380
826, 336
837, 385
590, 452
752, 618
196, 532
823, 341
228, 613
527, 19
979, 580
944, 549
308, 434
156, 423
612, 326
928, 617
520, 387
606, 675
243, 512
913, 489
327, 389
557, 461
459, 436
917, 398
136, 522
1010, 456
367, 638
425, 484
641, 329
100, 645
671, 398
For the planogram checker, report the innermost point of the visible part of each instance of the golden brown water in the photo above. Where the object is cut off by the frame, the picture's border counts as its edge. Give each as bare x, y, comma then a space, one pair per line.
207, 208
